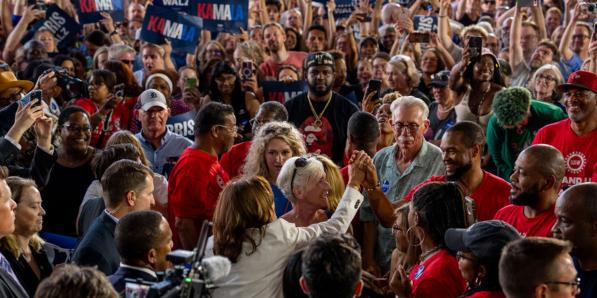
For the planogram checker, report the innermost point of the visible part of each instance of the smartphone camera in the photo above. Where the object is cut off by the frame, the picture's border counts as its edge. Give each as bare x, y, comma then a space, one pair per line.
34, 94
475, 43
419, 37
246, 70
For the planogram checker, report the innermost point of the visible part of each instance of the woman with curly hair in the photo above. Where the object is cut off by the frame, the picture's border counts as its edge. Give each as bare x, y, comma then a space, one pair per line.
274, 143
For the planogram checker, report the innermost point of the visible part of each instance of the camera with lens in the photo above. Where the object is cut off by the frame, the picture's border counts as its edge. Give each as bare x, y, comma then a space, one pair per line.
73, 87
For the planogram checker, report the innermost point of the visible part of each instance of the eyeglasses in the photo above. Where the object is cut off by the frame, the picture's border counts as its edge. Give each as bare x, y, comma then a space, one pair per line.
460, 255
581, 36
546, 78
575, 284
300, 162
77, 128
411, 127
489, 2
233, 129
129, 62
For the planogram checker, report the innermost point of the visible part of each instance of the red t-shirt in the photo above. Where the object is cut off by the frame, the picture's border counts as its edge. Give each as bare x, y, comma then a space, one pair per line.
233, 160
269, 68
490, 196
487, 294
580, 152
194, 186
539, 226
118, 120
437, 276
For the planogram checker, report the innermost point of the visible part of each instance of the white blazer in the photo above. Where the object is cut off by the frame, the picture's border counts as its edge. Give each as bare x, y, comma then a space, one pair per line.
260, 274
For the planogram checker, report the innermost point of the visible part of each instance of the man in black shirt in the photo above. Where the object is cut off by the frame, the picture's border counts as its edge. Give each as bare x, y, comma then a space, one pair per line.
321, 114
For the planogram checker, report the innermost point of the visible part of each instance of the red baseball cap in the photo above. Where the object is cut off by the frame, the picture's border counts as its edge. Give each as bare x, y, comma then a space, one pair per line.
581, 79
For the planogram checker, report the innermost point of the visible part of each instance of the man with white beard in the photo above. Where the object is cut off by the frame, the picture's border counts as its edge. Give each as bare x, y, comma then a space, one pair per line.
400, 167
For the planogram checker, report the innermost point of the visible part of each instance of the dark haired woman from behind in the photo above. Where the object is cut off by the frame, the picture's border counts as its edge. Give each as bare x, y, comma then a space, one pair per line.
247, 231
435, 208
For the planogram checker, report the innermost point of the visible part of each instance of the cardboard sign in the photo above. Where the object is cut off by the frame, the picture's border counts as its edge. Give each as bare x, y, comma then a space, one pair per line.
178, 5
89, 10
280, 91
222, 15
63, 27
344, 8
182, 30
425, 23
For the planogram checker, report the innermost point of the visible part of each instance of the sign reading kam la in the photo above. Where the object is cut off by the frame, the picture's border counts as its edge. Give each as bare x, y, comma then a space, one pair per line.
180, 29
217, 15
89, 10
280, 91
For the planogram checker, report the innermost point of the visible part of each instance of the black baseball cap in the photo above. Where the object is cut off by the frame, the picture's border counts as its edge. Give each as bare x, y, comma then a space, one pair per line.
319, 58
484, 239
440, 79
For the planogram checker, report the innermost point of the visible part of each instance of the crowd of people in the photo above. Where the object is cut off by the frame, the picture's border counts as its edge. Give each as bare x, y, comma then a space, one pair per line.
455, 162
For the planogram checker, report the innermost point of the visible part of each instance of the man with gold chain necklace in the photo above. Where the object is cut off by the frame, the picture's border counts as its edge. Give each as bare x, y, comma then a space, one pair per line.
321, 114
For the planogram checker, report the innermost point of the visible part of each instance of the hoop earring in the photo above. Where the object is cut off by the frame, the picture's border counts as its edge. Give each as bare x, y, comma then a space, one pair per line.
408, 233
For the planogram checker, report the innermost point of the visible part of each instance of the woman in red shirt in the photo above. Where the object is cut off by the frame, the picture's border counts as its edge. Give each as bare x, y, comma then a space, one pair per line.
435, 208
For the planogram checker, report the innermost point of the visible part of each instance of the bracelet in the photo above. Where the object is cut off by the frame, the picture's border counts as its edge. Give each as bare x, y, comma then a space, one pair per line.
375, 187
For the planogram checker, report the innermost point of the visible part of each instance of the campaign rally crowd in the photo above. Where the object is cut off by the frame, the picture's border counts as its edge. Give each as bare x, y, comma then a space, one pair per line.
372, 148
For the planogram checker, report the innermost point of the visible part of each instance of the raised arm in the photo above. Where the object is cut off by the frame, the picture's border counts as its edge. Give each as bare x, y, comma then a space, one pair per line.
539, 19
307, 10
516, 54
445, 55
331, 27
6, 17
444, 25
14, 38
565, 51
461, 9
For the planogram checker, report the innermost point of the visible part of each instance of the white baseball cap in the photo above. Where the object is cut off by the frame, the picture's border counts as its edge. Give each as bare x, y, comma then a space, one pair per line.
152, 98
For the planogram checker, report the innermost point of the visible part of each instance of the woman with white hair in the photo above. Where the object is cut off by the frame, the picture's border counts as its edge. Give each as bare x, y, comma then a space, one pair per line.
544, 85
404, 77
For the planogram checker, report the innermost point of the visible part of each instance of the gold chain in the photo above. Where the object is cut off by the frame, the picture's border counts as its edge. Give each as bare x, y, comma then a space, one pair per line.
318, 122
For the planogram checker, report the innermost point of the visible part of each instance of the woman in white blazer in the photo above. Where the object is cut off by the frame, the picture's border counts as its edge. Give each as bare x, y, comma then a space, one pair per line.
257, 243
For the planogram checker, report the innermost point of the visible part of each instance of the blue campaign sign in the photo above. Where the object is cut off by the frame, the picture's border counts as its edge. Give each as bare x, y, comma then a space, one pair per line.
178, 5
63, 27
425, 23
222, 15
280, 91
344, 8
180, 29
89, 10
183, 124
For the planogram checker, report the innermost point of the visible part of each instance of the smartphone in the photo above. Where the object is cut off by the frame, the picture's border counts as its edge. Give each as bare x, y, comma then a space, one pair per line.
418, 37
525, 3
35, 94
374, 86
246, 70
191, 83
119, 91
475, 43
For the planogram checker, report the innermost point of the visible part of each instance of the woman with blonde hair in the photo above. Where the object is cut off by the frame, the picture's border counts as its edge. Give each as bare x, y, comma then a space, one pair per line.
24, 248
274, 143
258, 244
404, 77
544, 85
334, 178
100, 57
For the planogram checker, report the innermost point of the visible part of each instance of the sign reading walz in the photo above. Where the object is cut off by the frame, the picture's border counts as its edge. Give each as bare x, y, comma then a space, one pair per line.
63, 27
89, 10
217, 15
181, 30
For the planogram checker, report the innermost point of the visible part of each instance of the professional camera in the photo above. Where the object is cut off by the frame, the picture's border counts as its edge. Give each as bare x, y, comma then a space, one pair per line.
192, 275
73, 87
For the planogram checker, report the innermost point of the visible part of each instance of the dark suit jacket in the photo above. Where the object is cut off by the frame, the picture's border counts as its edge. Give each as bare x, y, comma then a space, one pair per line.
9, 288
40, 167
118, 278
98, 247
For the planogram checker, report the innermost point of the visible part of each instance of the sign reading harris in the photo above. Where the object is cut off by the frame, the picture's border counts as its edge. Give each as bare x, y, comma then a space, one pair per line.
63, 27
89, 10
280, 91
425, 23
222, 15
162, 23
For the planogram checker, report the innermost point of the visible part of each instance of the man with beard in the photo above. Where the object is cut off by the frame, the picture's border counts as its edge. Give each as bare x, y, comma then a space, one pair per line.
576, 137
536, 180
399, 168
575, 40
523, 42
321, 114
198, 178
316, 40
576, 213
462, 148
275, 38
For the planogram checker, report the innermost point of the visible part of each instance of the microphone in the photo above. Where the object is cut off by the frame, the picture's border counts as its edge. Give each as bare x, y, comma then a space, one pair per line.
215, 267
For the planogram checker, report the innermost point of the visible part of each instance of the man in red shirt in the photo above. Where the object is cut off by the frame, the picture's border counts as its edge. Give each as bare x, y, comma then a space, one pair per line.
197, 178
274, 37
576, 137
234, 160
462, 148
536, 180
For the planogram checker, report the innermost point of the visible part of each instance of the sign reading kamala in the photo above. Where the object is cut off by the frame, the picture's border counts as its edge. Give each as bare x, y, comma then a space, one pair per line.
162, 23
280, 91
63, 27
222, 15
89, 10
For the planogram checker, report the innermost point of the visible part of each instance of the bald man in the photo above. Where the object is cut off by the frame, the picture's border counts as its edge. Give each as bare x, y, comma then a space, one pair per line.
576, 214
536, 180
